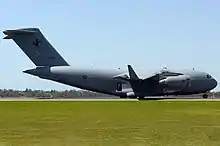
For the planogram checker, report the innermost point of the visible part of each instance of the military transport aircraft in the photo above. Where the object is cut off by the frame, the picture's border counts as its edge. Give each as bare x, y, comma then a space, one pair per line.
127, 83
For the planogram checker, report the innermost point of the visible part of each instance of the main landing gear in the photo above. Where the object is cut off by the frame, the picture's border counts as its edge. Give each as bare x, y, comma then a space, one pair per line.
134, 97
205, 96
141, 98
124, 97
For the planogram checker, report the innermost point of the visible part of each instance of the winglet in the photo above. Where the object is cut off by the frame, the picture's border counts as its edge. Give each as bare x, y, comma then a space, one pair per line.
132, 74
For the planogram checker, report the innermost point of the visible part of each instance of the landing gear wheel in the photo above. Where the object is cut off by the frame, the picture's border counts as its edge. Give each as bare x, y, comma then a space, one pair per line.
141, 98
205, 96
123, 97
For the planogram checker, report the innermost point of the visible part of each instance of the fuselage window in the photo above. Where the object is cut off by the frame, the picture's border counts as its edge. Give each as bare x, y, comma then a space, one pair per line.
208, 76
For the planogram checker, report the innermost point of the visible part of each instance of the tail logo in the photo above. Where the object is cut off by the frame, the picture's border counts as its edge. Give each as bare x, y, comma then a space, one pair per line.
36, 43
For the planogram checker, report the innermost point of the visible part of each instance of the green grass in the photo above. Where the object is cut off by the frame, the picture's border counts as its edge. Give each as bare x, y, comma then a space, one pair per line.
110, 123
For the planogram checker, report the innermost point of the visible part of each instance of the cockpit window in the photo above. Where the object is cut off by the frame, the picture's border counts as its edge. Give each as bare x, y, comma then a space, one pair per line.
208, 76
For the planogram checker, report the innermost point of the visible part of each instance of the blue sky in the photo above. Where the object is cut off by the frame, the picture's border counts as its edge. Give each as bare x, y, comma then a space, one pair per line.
147, 34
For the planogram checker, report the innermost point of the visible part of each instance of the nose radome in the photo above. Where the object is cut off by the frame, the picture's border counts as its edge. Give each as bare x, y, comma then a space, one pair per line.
214, 83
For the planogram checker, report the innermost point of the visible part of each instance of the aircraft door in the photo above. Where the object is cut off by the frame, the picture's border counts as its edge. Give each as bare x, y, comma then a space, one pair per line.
119, 86
188, 83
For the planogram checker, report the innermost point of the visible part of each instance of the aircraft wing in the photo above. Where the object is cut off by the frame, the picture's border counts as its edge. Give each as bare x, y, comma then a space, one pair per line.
123, 77
133, 76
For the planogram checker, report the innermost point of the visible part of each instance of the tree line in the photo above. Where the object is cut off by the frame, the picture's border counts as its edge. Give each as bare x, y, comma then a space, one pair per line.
63, 94
49, 94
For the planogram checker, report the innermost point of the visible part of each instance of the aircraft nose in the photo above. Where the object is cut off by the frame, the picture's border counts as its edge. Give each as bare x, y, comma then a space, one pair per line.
214, 83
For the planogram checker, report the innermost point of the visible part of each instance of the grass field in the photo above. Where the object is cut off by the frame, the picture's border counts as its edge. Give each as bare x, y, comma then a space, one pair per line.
111, 123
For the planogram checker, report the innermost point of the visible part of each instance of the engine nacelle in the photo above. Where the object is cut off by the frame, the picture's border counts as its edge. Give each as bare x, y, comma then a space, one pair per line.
130, 94
175, 83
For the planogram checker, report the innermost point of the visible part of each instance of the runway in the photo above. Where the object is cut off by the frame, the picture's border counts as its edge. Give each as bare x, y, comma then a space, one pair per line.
69, 99
106, 99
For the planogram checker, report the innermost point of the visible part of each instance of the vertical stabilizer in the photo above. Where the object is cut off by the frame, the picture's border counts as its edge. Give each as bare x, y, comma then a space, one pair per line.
36, 46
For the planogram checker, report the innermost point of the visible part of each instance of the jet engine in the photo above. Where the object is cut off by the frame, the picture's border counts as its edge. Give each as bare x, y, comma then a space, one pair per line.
175, 83
131, 95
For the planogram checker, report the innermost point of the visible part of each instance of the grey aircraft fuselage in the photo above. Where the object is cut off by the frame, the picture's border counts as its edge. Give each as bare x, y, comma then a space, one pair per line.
102, 81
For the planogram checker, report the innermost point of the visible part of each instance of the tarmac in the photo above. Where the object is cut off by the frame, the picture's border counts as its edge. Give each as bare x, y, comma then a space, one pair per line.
107, 99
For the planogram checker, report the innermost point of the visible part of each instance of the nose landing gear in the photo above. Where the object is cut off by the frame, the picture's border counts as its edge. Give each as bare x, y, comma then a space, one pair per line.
141, 98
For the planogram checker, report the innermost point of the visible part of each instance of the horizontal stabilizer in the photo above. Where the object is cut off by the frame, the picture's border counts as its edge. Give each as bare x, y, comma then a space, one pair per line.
7, 37
9, 33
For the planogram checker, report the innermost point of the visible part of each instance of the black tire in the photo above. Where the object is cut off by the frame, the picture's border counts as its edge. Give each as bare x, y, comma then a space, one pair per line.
141, 98
205, 96
123, 97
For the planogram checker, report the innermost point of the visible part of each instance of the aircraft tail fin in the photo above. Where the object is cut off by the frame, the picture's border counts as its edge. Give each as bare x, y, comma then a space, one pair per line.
36, 46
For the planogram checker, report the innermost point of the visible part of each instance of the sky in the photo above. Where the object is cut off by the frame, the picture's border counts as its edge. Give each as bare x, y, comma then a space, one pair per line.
148, 34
